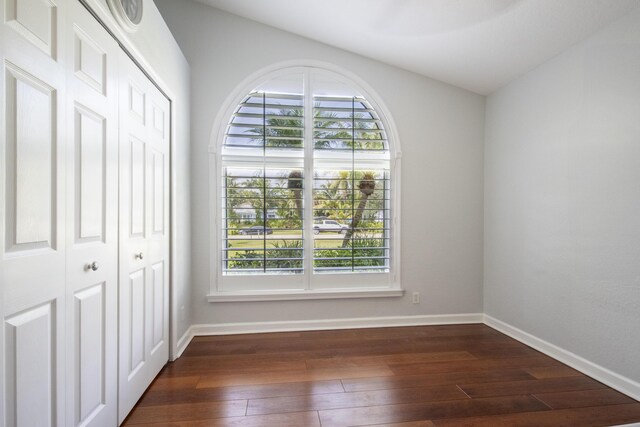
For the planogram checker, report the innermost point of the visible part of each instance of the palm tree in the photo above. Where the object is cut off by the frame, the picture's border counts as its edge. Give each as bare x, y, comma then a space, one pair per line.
294, 183
332, 199
330, 127
283, 132
342, 182
367, 186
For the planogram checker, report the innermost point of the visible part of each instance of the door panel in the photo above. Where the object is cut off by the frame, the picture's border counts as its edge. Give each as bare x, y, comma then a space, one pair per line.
92, 213
138, 189
136, 333
137, 103
32, 214
157, 299
90, 62
36, 21
144, 244
30, 355
91, 374
158, 194
31, 179
90, 177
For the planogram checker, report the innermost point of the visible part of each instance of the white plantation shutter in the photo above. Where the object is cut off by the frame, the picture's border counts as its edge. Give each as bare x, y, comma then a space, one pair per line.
262, 224
351, 151
279, 161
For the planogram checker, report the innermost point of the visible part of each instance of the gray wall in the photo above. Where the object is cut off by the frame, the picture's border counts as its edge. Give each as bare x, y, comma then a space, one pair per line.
441, 130
562, 200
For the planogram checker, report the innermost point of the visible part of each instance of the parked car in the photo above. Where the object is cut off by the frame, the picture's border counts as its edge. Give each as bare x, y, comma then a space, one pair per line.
256, 229
327, 225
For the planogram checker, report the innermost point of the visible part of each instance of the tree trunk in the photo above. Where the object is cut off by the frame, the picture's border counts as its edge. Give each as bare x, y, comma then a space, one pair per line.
355, 220
298, 199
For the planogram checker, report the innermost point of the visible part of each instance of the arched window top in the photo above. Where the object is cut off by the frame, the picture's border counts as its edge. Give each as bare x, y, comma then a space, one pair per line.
299, 107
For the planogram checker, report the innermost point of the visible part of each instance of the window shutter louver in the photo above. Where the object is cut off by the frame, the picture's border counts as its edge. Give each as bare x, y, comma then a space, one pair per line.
267, 120
347, 123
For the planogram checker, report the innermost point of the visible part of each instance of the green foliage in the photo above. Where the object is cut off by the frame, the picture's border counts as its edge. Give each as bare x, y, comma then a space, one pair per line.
278, 255
335, 132
246, 260
283, 255
364, 249
285, 127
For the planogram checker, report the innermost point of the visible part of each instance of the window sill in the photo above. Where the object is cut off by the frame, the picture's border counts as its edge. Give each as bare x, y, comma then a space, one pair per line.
291, 295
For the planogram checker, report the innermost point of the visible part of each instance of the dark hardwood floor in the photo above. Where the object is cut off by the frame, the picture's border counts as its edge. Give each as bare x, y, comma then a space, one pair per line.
458, 375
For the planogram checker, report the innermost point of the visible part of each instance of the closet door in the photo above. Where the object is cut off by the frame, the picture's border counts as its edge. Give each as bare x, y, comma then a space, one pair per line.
144, 234
32, 193
92, 213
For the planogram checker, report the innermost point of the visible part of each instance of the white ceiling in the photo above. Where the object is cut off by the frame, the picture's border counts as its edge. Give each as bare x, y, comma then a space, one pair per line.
479, 45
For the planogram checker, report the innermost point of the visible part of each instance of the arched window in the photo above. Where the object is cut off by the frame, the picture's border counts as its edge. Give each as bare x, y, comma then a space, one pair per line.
305, 190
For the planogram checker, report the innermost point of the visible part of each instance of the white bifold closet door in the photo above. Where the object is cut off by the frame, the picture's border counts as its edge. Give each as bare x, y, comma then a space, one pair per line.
144, 236
84, 220
60, 243
33, 232
59, 188
92, 220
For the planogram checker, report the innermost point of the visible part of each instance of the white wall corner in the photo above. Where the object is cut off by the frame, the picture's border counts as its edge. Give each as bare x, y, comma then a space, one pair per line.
614, 380
183, 342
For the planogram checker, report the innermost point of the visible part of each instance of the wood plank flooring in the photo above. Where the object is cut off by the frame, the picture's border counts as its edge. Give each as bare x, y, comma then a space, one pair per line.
458, 375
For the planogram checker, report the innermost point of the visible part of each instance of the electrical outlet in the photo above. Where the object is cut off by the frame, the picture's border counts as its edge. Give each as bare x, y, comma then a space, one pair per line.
182, 313
416, 298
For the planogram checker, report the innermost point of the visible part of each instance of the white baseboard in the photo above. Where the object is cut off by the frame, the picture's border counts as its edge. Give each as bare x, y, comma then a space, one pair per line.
314, 325
623, 384
184, 341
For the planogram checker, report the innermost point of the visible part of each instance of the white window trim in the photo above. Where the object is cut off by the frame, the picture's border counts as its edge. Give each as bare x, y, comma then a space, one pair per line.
359, 292
297, 287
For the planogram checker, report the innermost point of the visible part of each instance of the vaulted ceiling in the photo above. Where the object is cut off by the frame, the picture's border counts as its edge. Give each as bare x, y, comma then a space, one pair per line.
479, 45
